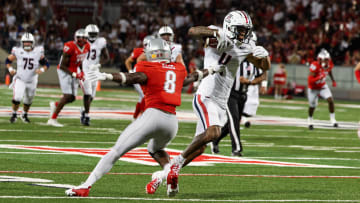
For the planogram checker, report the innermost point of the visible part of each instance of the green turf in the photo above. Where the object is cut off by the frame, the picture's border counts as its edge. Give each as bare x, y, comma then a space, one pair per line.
273, 143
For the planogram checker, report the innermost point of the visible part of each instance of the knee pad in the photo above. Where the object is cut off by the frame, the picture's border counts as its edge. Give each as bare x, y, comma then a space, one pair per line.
15, 102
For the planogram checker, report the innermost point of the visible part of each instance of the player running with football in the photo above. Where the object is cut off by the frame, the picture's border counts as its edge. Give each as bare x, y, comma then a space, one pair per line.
139, 109
28, 59
319, 69
162, 81
74, 52
211, 97
97, 56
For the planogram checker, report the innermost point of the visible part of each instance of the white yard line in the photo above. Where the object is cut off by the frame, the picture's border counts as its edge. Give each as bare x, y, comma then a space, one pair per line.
172, 199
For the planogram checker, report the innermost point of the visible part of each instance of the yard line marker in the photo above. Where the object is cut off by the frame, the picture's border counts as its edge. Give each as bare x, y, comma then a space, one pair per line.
171, 199
186, 174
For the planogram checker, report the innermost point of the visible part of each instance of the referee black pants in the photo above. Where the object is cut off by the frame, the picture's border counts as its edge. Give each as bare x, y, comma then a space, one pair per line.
235, 107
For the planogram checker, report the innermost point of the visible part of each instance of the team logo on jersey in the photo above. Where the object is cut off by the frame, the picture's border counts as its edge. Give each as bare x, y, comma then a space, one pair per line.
141, 156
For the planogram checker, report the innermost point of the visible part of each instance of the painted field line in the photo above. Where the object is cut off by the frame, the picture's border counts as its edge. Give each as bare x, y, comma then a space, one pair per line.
185, 174
172, 199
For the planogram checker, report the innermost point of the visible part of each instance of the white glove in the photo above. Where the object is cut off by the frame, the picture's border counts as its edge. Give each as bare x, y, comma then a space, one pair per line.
260, 52
223, 43
12, 71
94, 67
96, 75
216, 69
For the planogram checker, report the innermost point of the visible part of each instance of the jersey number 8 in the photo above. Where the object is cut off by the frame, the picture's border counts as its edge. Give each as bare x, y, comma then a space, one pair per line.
170, 79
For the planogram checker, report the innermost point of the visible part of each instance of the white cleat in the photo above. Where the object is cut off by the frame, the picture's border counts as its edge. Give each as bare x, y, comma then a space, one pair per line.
53, 122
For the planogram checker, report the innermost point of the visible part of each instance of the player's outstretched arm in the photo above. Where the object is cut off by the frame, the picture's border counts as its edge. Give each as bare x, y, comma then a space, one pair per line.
122, 78
202, 31
196, 76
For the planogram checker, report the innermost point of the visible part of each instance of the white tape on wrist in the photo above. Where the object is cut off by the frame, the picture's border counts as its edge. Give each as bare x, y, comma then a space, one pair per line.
42, 69
11, 69
264, 83
123, 78
210, 70
200, 75
73, 75
109, 76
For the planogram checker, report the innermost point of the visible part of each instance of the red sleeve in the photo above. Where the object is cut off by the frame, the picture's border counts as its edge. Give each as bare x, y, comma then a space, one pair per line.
357, 74
68, 48
136, 53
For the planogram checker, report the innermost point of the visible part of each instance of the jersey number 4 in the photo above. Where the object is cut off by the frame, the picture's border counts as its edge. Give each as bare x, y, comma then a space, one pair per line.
170, 79
28, 62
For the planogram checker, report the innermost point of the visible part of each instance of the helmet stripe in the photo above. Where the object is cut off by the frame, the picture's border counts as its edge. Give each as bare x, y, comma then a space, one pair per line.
246, 18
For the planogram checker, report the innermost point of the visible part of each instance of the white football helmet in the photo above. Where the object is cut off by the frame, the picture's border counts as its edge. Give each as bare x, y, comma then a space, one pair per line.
166, 30
158, 50
80, 37
27, 37
323, 58
147, 39
92, 31
235, 23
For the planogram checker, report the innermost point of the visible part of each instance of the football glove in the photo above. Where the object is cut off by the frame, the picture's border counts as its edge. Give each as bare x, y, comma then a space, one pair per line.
260, 52
224, 44
96, 75
216, 69
79, 76
334, 83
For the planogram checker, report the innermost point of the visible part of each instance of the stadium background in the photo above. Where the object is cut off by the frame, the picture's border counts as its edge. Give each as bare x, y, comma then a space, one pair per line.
292, 31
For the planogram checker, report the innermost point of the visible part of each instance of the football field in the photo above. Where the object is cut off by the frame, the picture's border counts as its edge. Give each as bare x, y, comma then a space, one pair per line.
283, 161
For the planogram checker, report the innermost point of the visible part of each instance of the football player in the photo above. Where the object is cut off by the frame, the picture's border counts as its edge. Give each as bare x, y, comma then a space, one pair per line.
210, 100
319, 69
162, 81
28, 59
69, 73
97, 56
128, 63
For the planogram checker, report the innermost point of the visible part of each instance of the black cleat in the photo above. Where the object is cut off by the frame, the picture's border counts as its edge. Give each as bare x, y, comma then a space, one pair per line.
236, 153
247, 124
214, 148
311, 127
335, 125
82, 117
86, 121
13, 118
25, 118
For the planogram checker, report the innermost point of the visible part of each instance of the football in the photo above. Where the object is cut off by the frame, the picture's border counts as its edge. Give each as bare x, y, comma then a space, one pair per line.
211, 42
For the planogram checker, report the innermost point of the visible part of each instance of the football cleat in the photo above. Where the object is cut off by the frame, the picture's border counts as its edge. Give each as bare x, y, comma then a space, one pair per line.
13, 118
172, 180
25, 118
79, 191
247, 124
86, 121
153, 185
336, 125
214, 148
236, 153
311, 127
82, 117
53, 122
156, 180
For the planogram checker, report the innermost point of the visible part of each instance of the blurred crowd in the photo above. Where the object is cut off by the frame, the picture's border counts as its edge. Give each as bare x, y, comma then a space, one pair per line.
293, 31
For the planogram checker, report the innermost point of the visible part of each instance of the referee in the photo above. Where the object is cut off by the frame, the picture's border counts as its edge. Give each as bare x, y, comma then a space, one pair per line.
247, 74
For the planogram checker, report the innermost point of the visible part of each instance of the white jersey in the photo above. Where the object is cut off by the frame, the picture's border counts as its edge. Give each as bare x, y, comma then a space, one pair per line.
93, 56
27, 62
218, 86
176, 49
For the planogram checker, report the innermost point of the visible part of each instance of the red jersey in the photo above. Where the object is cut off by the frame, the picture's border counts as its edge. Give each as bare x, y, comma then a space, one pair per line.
77, 54
164, 84
316, 68
136, 53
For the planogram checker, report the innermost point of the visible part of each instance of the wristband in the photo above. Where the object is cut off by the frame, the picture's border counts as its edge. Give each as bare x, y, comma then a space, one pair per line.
42, 69
73, 75
11, 69
109, 76
264, 83
210, 70
123, 78
200, 75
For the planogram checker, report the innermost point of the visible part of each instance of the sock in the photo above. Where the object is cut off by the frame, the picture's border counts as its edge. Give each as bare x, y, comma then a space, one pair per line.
54, 116
332, 117
86, 115
14, 112
310, 120
166, 170
56, 103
